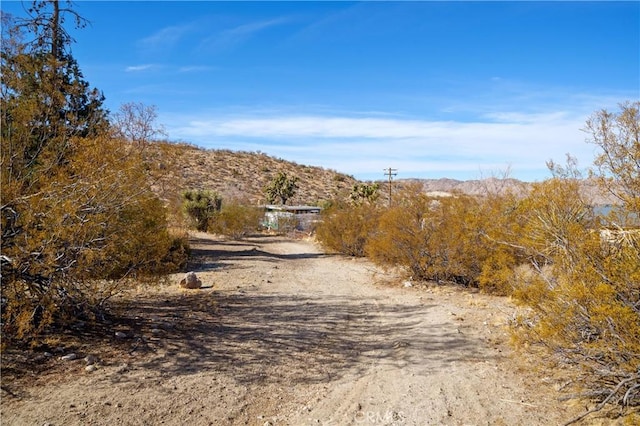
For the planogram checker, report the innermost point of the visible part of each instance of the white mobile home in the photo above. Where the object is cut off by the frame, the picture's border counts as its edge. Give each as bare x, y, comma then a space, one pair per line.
301, 218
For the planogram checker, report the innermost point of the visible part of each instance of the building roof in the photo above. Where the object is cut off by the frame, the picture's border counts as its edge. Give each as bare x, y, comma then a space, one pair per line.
308, 209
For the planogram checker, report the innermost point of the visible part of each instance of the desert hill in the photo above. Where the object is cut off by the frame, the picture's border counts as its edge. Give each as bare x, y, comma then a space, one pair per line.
244, 175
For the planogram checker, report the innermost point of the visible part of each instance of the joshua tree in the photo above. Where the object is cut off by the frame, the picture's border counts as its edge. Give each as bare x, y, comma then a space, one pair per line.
282, 186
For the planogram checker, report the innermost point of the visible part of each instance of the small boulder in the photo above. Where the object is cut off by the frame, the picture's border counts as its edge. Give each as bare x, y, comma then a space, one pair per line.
69, 357
191, 281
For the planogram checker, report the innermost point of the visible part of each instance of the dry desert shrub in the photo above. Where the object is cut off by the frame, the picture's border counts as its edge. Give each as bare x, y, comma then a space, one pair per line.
577, 271
586, 293
438, 239
345, 228
236, 219
72, 244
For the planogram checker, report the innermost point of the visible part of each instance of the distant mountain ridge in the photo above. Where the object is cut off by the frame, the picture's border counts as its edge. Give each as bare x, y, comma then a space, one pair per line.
590, 188
471, 187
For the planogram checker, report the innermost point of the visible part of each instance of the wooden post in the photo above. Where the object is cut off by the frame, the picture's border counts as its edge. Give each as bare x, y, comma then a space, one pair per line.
390, 174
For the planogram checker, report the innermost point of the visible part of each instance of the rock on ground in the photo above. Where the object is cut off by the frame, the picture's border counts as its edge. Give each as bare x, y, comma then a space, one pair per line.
324, 340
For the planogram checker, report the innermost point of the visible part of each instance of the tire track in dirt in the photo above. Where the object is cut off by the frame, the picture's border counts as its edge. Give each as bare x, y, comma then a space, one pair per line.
285, 334
405, 357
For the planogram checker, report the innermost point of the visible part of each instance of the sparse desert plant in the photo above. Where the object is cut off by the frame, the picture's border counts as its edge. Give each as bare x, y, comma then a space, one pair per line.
617, 163
586, 313
497, 272
236, 219
73, 244
78, 216
400, 235
136, 123
364, 193
177, 254
201, 207
501, 225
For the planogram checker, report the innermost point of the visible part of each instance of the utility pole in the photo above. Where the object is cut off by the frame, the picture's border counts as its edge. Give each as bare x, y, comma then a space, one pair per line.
390, 174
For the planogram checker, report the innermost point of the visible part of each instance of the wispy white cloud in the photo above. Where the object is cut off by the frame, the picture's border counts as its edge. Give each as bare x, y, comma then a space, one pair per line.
359, 146
483, 136
165, 37
138, 68
254, 27
322, 127
499, 98
239, 34
171, 69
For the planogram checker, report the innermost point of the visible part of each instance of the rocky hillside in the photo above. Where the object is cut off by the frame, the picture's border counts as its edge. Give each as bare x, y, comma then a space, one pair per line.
241, 175
244, 175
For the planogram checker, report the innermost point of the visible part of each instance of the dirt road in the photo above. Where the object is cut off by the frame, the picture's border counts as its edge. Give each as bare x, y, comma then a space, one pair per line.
282, 334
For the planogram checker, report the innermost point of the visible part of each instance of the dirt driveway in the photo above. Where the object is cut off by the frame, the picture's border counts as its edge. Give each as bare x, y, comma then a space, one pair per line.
282, 334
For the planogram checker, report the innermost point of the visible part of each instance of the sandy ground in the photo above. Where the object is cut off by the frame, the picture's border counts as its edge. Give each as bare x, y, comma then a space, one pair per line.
282, 334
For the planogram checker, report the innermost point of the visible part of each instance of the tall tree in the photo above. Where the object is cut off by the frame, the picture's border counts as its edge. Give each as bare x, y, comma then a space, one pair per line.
45, 98
77, 214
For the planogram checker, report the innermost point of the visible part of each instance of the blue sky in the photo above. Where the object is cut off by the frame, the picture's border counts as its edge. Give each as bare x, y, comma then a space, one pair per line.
434, 89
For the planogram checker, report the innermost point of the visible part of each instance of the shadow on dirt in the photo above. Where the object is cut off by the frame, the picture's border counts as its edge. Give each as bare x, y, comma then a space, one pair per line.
289, 338
207, 255
266, 338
